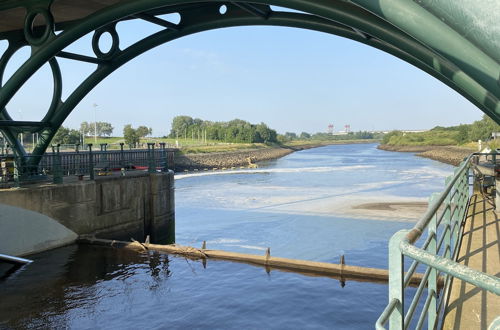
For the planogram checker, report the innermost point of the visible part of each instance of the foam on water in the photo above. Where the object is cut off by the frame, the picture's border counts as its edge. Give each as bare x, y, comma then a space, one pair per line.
323, 169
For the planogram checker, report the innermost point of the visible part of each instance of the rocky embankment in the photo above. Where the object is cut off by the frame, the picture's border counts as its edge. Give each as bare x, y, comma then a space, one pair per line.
244, 157
446, 154
229, 159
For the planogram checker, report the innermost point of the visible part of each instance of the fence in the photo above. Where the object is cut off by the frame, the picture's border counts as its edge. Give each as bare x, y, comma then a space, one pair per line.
56, 164
437, 252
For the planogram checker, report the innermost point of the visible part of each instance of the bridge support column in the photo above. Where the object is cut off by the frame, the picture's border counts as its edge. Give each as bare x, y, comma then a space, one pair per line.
114, 207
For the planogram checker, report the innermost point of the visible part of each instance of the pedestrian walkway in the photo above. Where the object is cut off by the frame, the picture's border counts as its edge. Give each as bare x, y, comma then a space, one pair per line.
468, 306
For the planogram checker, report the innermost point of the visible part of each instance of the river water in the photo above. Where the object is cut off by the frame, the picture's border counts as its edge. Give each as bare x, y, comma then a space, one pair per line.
316, 204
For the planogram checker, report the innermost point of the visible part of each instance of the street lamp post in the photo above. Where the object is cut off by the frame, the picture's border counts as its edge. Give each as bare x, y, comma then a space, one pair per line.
21, 118
95, 122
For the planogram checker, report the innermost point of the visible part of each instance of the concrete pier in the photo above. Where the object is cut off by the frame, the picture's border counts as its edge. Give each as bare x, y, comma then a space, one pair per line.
115, 207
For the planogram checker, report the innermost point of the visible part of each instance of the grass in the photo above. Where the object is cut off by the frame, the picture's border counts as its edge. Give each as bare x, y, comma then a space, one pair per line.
429, 138
196, 146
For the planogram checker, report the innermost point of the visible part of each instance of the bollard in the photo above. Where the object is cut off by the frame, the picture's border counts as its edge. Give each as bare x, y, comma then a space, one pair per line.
91, 162
57, 175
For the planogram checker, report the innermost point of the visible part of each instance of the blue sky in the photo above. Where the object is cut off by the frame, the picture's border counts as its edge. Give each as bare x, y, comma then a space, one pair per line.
293, 80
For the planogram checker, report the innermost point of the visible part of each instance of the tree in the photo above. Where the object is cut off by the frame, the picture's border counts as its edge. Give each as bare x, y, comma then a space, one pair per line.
387, 137
463, 135
100, 127
305, 136
482, 129
236, 130
66, 136
267, 135
142, 131
180, 125
104, 128
85, 128
130, 135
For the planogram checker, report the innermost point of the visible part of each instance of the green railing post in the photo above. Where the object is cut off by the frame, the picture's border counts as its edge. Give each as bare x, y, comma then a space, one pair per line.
432, 280
456, 215
396, 279
151, 158
103, 157
447, 222
465, 192
164, 159
122, 159
91, 162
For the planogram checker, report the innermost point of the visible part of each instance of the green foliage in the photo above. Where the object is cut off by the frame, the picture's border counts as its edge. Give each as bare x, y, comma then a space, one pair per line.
482, 129
130, 135
102, 128
361, 135
236, 130
387, 137
143, 131
66, 136
461, 134
304, 136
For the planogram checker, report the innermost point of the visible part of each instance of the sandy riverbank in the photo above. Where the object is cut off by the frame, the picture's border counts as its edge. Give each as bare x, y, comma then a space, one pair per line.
452, 155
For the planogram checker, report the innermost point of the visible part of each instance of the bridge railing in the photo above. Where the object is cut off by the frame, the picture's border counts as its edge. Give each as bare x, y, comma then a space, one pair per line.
432, 246
55, 165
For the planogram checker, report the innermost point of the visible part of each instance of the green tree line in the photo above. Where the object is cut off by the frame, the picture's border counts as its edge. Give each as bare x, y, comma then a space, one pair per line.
237, 130
454, 135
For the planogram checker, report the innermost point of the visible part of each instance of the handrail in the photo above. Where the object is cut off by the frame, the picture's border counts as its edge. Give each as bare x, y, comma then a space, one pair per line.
416, 232
444, 230
469, 275
384, 317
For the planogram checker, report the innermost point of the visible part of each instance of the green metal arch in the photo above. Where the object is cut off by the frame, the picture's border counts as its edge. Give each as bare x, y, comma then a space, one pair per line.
454, 60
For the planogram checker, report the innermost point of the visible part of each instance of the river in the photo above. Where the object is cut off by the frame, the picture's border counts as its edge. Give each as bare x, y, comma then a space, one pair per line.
315, 204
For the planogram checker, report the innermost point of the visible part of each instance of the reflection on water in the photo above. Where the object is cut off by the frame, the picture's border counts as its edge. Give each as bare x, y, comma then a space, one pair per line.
292, 206
85, 287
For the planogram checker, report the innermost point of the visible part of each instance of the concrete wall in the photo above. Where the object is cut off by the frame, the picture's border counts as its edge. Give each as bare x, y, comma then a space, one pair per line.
112, 207
24, 232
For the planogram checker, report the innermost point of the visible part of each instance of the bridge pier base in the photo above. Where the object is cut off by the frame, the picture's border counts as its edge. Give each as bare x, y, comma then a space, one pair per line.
112, 207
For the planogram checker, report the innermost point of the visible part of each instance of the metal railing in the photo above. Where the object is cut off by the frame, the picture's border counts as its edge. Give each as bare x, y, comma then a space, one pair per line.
53, 166
438, 234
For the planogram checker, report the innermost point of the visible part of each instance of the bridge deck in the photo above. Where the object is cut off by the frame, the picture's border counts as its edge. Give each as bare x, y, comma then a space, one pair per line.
469, 307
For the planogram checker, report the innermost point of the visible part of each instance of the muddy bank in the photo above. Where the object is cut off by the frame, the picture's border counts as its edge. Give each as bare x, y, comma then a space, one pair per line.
446, 154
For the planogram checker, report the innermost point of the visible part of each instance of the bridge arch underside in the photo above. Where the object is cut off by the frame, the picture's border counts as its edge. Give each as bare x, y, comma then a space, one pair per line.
425, 35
